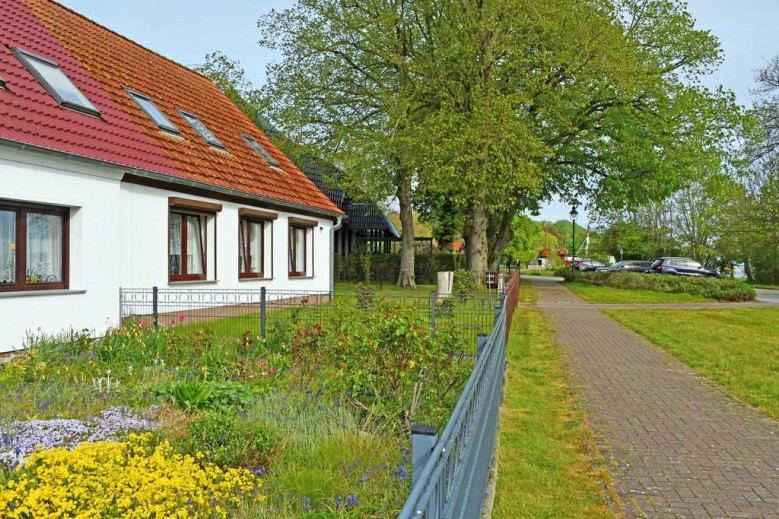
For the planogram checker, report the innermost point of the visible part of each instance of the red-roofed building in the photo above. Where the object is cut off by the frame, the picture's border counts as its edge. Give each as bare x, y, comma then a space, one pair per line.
122, 168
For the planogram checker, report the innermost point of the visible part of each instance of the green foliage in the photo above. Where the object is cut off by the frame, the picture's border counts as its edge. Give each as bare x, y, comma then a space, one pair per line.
366, 296
720, 289
229, 440
464, 284
193, 394
387, 362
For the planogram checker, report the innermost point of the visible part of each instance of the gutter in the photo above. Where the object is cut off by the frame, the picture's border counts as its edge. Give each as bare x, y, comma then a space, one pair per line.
176, 181
338, 224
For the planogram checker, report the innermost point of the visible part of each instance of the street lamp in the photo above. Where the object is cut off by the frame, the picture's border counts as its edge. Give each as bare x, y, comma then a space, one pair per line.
573, 214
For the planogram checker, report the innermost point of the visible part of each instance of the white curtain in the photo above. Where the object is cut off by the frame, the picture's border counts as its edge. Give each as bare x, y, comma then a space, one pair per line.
194, 245
255, 247
175, 244
7, 247
44, 248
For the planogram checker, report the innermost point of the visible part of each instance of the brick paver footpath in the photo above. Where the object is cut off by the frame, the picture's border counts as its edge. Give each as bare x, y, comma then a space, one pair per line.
675, 445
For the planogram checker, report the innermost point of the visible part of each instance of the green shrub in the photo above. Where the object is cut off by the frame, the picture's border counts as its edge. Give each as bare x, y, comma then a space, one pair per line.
386, 361
229, 440
464, 284
193, 394
719, 289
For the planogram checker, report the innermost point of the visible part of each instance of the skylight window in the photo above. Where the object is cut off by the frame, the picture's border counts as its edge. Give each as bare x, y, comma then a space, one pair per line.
261, 151
152, 111
2, 83
201, 129
59, 86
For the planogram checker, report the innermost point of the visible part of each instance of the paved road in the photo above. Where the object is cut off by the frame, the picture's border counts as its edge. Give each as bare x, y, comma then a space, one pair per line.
767, 296
676, 447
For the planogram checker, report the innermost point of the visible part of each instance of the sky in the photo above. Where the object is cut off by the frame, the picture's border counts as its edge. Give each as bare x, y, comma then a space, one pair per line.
187, 30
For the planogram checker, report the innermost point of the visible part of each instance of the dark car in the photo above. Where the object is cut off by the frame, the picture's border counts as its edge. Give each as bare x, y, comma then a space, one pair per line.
681, 267
584, 265
627, 266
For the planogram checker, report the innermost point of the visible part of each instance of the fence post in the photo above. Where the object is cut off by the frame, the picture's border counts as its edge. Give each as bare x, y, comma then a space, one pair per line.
423, 440
154, 309
432, 309
263, 311
481, 342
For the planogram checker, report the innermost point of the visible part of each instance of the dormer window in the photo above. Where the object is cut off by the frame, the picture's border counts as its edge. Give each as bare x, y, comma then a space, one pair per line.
261, 151
154, 113
201, 129
56, 83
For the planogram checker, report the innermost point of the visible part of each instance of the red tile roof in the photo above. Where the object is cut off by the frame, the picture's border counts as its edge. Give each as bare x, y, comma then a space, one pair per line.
102, 64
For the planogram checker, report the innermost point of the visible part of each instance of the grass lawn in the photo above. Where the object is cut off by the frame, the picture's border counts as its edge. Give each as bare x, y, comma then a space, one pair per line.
765, 285
737, 347
611, 295
545, 467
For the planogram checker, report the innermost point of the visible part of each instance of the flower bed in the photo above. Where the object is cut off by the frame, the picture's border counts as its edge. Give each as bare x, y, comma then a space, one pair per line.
317, 422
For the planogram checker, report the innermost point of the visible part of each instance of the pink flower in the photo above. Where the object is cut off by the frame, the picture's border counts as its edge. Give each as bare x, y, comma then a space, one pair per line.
262, 362
181, 318
172, 321
264, 373
273, 370
142, 324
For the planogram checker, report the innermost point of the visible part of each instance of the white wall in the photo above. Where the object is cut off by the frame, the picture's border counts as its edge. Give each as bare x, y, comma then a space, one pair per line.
92, 193
119, 238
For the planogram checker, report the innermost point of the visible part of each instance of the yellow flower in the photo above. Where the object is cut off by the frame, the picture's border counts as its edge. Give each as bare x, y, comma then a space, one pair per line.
132, 479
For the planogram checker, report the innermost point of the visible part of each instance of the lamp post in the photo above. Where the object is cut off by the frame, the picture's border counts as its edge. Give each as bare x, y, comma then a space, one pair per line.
573, 214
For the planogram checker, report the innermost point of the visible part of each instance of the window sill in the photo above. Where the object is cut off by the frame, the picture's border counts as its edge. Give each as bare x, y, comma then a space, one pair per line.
55, 292
244, 280
194, 282
300, 277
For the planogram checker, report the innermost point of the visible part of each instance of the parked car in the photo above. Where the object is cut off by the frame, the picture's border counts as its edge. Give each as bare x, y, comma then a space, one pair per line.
681, 267
584, 265
627, 266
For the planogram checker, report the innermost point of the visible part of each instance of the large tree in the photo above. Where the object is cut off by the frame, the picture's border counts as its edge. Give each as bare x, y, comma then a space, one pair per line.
346, 86
495, 105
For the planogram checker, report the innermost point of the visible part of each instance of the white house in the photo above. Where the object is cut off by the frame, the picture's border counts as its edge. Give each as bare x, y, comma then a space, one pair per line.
121, 168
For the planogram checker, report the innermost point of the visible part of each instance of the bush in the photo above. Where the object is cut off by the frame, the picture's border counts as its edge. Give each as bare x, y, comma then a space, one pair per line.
193, 394
386, 361
229, 440
719, 289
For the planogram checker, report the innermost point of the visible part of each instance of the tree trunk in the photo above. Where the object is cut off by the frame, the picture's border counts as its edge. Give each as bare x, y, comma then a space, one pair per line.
476, 237
500, 235
406, 276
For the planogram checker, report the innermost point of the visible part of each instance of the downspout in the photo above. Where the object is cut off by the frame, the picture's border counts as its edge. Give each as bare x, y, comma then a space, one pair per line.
339, 222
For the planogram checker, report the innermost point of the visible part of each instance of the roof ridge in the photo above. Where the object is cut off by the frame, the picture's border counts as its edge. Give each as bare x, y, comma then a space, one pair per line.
90, 20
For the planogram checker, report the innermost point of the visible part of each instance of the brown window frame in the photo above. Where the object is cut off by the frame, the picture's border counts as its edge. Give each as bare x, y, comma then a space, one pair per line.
185, 276
245, 253
21, 210
293, 251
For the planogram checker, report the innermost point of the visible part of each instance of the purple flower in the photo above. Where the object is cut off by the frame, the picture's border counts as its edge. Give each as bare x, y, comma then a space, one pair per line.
352, 500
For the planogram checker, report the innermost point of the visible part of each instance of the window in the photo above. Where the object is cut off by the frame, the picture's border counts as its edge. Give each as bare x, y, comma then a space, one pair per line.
261, 151
201, 129
190, 223
300, 236
152, 111
187, 246
297, 251
33, 247
254, 226
59, 86
2, 83
251, 250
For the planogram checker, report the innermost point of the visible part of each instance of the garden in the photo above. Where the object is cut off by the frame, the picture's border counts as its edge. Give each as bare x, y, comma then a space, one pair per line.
312, 421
